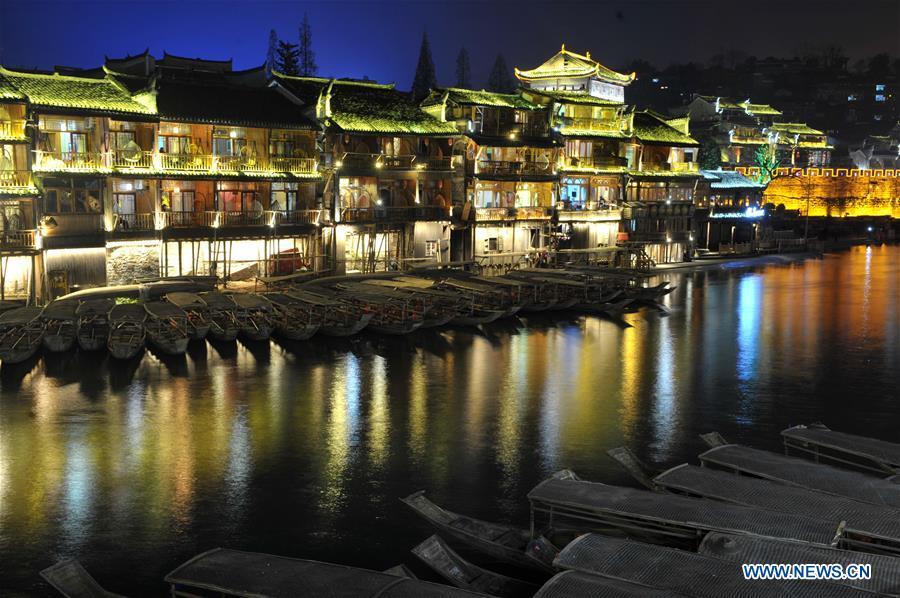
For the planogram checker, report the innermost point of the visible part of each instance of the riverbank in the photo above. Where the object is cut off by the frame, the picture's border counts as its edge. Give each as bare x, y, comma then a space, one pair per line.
737, 261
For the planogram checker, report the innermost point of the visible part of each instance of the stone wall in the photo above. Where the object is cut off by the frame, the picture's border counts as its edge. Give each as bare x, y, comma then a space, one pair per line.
128, 262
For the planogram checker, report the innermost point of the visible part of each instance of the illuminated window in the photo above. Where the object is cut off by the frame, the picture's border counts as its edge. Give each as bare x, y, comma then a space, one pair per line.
431, 248
879, 97
879, 87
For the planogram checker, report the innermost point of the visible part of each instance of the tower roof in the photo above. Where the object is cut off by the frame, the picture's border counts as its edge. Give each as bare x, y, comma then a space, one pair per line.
566, 64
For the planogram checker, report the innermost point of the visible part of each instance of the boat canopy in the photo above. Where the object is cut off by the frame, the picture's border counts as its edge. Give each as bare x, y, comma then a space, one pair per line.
163, 309
574, 583
313, 298
122, 312
250, 301
93, 307
20, 315
183, 299
257, 575
61, 310
217, 300
817, 437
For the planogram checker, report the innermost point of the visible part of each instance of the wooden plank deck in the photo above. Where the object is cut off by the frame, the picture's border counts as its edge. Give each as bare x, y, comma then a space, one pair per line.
800, 472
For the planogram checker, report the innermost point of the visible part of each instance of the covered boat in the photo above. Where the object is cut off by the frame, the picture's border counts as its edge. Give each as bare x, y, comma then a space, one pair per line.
167, 327
293, 319
60, 325
93, 323
338, 318
223, 322
504, 543
435, 553
254, 316
394, 312
195, 309
818, 442
223, 572
126, 330
21, 330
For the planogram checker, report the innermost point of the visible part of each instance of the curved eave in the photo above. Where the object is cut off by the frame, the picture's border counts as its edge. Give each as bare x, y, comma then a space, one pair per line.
85, 111
238, 123
604, 74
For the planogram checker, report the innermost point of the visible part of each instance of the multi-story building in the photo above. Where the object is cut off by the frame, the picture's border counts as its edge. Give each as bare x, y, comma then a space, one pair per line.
739, 128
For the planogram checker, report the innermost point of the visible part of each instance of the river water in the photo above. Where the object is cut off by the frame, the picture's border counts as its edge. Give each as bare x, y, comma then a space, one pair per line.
304, 450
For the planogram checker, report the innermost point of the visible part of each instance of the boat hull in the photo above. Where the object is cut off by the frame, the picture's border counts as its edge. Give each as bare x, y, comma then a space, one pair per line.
59, 342
477, 320
169, 346
260, 333
198, 332
92, 340
341, 330
297, 333
396, 329
225, 334
19, 355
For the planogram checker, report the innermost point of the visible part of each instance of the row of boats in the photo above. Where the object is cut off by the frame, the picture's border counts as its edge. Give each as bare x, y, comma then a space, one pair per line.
167, 314
835, 501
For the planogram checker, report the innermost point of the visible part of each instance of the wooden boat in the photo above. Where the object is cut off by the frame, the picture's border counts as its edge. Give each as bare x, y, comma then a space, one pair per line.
680, 571
649, 294
167, 327
533, 295
254, 316
232, 573
126, 330
737, 548
401, 570
394, 313
223, 321
818, 442
338, 318
60, 325
196, 310
293, 319
671, 519
435, 553
504, 543
485, 303
21, 330
93, 323
439, 307
72, 581
801, 472
574, 584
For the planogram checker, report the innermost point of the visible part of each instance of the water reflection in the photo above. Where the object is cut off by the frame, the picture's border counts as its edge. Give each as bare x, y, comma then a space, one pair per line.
303, 448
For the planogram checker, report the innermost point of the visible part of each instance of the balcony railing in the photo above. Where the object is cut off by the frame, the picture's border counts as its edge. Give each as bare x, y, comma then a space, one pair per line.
128, 159
293, 165
434, 163
13, 180
534, 213
215, 218
12, 129
79, 161
593, 162
500, 167
591, 124
18, 239
380, 161
394, 214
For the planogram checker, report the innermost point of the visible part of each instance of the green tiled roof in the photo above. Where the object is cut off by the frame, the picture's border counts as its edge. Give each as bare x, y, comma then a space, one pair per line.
569, 64
575, 97
8, 90
576, 132
384, 111
762, 109
729, 179
795, 129
77, 93
471, 97
651, 129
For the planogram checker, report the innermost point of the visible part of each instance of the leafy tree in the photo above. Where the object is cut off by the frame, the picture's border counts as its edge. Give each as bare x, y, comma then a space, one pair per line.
768, 161
425, 79
307, 57
709, 156
463, 69
287, 58
272, 52
500, 80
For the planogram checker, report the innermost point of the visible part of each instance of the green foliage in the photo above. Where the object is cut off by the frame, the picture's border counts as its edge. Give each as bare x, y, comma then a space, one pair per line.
288, 58
425, 78
768, 161
710, 156
500, 79
463, 69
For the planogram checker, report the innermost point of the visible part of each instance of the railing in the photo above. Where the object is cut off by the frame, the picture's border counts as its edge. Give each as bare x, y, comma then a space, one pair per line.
15, 179
56, 161
293, 165
12, 129
489, 214
685, 167
316, 217
394, 214
590, 215
380, 161
126, 159
577, 162
18, 239
434, 163
591, 124
500, 167
534, 213
186, 162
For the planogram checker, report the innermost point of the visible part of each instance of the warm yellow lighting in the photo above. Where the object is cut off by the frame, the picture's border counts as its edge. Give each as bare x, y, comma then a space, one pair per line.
338, 164
232, 134
176, 190
421, 165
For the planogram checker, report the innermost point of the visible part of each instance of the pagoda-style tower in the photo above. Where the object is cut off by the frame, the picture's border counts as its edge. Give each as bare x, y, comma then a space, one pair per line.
568, 71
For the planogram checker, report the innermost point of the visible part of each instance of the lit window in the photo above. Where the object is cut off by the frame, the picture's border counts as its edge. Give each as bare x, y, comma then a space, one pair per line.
431, 248
851, 97
879, 87
879, 97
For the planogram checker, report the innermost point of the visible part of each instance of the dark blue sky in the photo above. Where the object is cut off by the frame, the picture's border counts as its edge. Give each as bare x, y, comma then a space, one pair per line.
381, 39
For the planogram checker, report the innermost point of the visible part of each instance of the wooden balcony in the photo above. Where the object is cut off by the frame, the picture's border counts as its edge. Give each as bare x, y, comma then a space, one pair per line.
516, 168
363, 161
394, 214
122, 159
595, 125
45, 161
512, 214
16, 182
534, 213
590, 163
294, 165
150, 221
18, 239
12, 130
590, 215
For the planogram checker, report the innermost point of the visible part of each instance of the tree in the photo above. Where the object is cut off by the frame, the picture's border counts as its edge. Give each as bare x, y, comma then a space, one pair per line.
287, 58
463, 69
709, 156
307, 65
768, 161
425, 79
272, 52
500, 80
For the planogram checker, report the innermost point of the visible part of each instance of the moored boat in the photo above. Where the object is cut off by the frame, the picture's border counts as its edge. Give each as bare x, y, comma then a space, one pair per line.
93, 323
167, 327
195, 309
254, 316
21, 330
60, 325
126, 330
435, 553
338, 318
394, 313
293, 319
223, 323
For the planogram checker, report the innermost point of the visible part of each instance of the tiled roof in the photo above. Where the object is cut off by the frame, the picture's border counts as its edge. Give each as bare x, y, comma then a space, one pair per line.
794, 129
651, 129
77, 93
384, 111
729, 179
574, 97
566, 64
471, 97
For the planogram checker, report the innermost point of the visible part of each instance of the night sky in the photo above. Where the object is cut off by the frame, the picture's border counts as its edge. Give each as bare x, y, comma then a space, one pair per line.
381, 39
